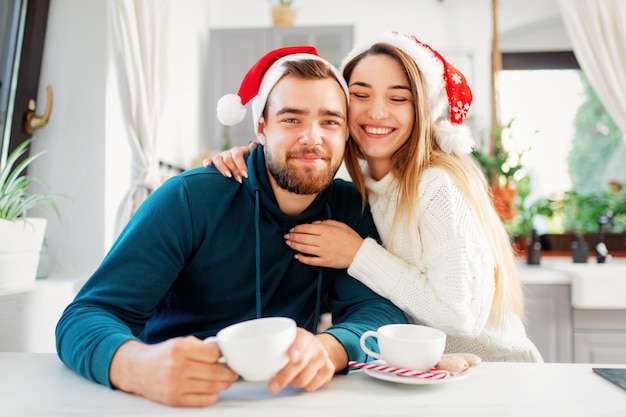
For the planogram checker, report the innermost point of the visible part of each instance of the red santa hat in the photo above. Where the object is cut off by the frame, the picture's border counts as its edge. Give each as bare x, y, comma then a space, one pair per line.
448, 93
259, 81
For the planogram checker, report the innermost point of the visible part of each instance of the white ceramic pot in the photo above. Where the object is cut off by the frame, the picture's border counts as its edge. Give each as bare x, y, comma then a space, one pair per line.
20, 246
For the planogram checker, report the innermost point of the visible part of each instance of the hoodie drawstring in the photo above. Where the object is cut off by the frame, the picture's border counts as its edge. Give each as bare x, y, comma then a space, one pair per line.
257, 251
257, 255
318, 298
318, 301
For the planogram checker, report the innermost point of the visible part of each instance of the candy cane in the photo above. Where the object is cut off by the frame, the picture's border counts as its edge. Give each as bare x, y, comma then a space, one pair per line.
434, 373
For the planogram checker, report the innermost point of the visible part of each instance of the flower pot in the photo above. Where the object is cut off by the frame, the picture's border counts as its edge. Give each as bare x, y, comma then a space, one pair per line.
283, 15
20, 247
504, 202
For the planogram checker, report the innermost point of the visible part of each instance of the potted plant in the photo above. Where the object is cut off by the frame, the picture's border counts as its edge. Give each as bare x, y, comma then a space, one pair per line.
500, 166
21, 237
579, 213
523, 224
282, 12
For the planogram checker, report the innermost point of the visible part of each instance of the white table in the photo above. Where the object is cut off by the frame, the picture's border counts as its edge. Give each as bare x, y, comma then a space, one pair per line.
38, 384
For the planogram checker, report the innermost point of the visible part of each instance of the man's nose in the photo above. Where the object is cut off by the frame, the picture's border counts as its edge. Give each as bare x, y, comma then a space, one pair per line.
311, 135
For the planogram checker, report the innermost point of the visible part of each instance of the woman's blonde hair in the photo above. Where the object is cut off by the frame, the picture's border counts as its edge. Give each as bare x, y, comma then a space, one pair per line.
421, 152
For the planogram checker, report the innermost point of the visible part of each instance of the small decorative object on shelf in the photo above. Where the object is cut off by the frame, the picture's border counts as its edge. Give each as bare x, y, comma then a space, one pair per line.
580, 250
283, 14
533, 249
602, 252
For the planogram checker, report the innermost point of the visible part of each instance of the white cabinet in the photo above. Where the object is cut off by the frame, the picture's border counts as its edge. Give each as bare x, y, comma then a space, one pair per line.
233, 51
566, 334
549, 320
600, 336
575, 311
28, 318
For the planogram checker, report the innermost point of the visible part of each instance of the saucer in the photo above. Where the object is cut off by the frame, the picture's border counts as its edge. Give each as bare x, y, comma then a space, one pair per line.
386, 376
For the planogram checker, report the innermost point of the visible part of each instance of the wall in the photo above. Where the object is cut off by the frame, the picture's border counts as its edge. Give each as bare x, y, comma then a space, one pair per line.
74, 65
88, 158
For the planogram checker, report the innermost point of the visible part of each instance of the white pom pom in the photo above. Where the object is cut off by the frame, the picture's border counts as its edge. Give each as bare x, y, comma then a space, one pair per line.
454, 138
230, 111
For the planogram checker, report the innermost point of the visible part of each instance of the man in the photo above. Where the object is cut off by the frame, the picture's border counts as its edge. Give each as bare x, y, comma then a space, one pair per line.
204, 251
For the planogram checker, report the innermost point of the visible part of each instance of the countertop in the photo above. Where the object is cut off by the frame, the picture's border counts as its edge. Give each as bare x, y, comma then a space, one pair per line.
561, 269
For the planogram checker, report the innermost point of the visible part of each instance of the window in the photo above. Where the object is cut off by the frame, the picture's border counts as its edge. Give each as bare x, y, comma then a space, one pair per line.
569, 141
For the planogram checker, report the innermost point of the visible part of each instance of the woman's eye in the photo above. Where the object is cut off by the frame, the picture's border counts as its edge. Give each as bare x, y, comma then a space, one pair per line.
359, 95
399, 99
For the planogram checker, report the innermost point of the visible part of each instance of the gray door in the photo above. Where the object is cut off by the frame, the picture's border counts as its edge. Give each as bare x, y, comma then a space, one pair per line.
22, 34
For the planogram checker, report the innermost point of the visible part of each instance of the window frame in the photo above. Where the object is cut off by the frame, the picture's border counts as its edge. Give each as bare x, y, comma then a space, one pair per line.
539, 60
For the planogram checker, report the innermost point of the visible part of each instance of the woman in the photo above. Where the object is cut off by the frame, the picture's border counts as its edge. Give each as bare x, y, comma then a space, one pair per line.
446, 259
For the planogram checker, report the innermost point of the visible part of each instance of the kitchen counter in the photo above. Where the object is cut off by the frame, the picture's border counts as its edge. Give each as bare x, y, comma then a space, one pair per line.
545, 273
593, 285
561, 269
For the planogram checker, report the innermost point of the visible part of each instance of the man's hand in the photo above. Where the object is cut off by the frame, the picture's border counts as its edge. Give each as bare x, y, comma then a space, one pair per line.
327, 243
177, 372
313, 362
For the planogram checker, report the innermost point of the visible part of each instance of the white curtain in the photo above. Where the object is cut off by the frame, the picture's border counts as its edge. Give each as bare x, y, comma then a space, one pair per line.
597, 29
138, 32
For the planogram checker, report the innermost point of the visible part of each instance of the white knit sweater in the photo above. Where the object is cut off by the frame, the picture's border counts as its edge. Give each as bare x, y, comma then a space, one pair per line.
441, 274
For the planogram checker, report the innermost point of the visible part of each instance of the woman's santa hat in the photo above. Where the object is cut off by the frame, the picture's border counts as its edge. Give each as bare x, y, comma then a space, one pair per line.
448, 93
261, 78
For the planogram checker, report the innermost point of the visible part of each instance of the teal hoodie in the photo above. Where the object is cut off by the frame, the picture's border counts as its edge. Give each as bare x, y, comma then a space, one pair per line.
203, 252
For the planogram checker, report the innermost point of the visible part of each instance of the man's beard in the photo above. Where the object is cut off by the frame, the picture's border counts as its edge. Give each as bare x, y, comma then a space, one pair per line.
303, 181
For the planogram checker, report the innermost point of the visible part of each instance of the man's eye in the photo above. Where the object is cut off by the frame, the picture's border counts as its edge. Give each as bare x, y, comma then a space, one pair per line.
330, 122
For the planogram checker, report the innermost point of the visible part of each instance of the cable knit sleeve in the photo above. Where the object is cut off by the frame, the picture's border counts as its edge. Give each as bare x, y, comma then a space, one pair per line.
446, 278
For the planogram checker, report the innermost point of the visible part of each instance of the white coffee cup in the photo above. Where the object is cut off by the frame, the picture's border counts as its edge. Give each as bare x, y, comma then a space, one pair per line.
409, 346
256, 349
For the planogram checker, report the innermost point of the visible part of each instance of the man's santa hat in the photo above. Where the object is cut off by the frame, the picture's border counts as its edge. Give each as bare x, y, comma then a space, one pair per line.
448, 93
259, 81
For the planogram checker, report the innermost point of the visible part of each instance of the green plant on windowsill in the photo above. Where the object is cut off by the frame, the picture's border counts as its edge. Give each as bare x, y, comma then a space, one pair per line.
522, 225
21, 235
580, 212
501, 165
17, 196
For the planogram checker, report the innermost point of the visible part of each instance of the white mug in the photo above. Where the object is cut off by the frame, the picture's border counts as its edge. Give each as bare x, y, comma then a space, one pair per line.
409, 346
256, 349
